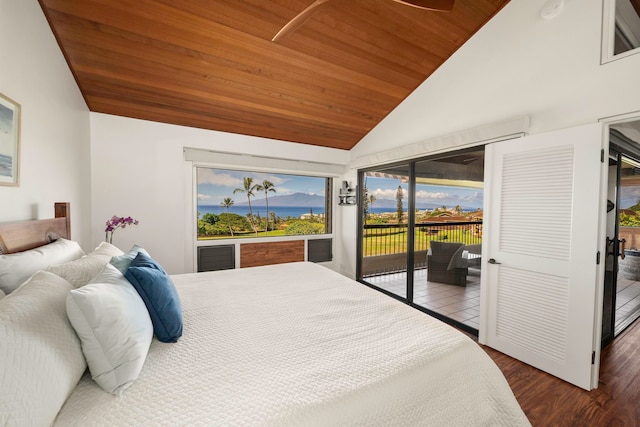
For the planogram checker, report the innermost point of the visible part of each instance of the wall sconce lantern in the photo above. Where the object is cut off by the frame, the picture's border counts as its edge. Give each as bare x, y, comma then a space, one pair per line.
348, 195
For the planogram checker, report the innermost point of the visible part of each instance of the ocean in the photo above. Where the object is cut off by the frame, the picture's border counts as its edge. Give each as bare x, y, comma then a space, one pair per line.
281, 211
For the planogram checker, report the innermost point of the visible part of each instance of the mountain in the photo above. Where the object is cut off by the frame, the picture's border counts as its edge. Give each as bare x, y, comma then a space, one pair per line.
391, 205
295, 199
313, 201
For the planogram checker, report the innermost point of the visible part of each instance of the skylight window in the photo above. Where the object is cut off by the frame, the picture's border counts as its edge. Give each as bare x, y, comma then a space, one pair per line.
621, 34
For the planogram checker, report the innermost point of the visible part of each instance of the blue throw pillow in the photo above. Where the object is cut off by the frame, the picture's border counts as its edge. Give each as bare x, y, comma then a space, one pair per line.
159, 295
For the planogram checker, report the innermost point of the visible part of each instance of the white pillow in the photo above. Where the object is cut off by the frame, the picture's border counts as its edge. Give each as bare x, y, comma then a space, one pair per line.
18, 267
114, 327
41, 360
2, 294
106, 249
81, 271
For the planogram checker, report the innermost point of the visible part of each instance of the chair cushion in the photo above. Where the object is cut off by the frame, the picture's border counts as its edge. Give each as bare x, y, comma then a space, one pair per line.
449, 253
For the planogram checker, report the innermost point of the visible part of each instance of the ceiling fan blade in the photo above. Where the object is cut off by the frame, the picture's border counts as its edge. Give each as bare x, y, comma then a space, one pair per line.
443, 5
298, 20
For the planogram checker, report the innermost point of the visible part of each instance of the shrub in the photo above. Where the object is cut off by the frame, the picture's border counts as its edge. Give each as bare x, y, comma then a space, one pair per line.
210, 218
304, 227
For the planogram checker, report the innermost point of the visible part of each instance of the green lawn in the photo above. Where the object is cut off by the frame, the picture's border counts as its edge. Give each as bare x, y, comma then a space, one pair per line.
382, 241
395, 241
271, 233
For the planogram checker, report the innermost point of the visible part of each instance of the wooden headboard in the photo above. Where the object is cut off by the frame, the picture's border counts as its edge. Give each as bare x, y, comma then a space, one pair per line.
20, 236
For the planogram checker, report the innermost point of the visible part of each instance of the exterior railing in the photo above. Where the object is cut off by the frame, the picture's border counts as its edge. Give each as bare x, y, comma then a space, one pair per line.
384, 246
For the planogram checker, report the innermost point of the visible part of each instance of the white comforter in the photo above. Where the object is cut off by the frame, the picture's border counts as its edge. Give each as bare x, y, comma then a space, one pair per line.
298, 344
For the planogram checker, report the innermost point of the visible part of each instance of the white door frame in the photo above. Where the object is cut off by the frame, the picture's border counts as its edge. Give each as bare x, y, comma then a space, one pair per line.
606, 128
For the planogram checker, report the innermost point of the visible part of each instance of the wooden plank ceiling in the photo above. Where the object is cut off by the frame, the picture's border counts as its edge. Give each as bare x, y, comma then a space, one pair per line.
211, 64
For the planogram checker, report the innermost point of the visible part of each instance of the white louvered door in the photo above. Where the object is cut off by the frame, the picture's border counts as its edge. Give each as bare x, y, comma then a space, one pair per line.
542, 218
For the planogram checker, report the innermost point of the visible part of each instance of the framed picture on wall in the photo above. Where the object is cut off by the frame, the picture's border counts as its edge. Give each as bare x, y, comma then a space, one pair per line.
9, 141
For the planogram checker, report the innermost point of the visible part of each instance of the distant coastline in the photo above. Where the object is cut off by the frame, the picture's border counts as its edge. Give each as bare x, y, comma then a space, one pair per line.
283, 211
280, 211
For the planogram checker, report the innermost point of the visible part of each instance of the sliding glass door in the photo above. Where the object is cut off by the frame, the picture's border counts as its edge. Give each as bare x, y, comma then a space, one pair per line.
383, 227
449, 197
421, 233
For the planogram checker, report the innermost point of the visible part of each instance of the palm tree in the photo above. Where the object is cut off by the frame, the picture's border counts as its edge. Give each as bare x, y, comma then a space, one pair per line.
272, 215
227, 203
266, 186
248, 189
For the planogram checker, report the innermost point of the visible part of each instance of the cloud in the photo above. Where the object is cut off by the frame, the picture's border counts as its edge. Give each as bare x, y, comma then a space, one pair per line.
281, 191
629, 196
275, 180
203, 196
235, 179
429, 195
445, 198
449, 199
211, 176
379, 193
475, 197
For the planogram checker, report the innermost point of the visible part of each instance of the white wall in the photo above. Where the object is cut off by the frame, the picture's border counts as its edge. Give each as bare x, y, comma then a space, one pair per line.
54, 164
138, 170
517, 65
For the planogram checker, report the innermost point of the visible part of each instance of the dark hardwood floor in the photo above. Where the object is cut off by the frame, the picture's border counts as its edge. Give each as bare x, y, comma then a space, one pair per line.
548, 401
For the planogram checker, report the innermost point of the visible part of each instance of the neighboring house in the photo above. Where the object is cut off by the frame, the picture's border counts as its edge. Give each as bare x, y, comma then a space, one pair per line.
477, 215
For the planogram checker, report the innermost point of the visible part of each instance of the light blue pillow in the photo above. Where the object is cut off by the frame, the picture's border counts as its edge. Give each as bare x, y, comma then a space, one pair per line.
122, 262
159, 295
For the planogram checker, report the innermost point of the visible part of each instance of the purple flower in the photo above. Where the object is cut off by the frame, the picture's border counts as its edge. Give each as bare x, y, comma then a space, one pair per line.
117, 222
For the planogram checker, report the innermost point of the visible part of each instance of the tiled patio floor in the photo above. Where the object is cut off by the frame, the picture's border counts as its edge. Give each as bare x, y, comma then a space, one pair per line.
463, 303
627, 303
457, 302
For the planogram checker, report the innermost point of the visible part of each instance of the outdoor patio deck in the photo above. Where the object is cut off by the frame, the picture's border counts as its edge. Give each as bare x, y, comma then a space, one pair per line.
463, 303
627, 303
456, 302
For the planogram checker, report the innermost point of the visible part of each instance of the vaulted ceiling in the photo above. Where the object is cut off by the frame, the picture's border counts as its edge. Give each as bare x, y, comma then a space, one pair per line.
211, 64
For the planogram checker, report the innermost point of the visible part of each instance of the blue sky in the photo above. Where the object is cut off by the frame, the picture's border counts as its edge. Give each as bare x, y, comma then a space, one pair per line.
216, 184
449, 196
629, 196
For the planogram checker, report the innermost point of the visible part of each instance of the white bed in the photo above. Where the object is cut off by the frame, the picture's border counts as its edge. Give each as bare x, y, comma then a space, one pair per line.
292, 344
298, 344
